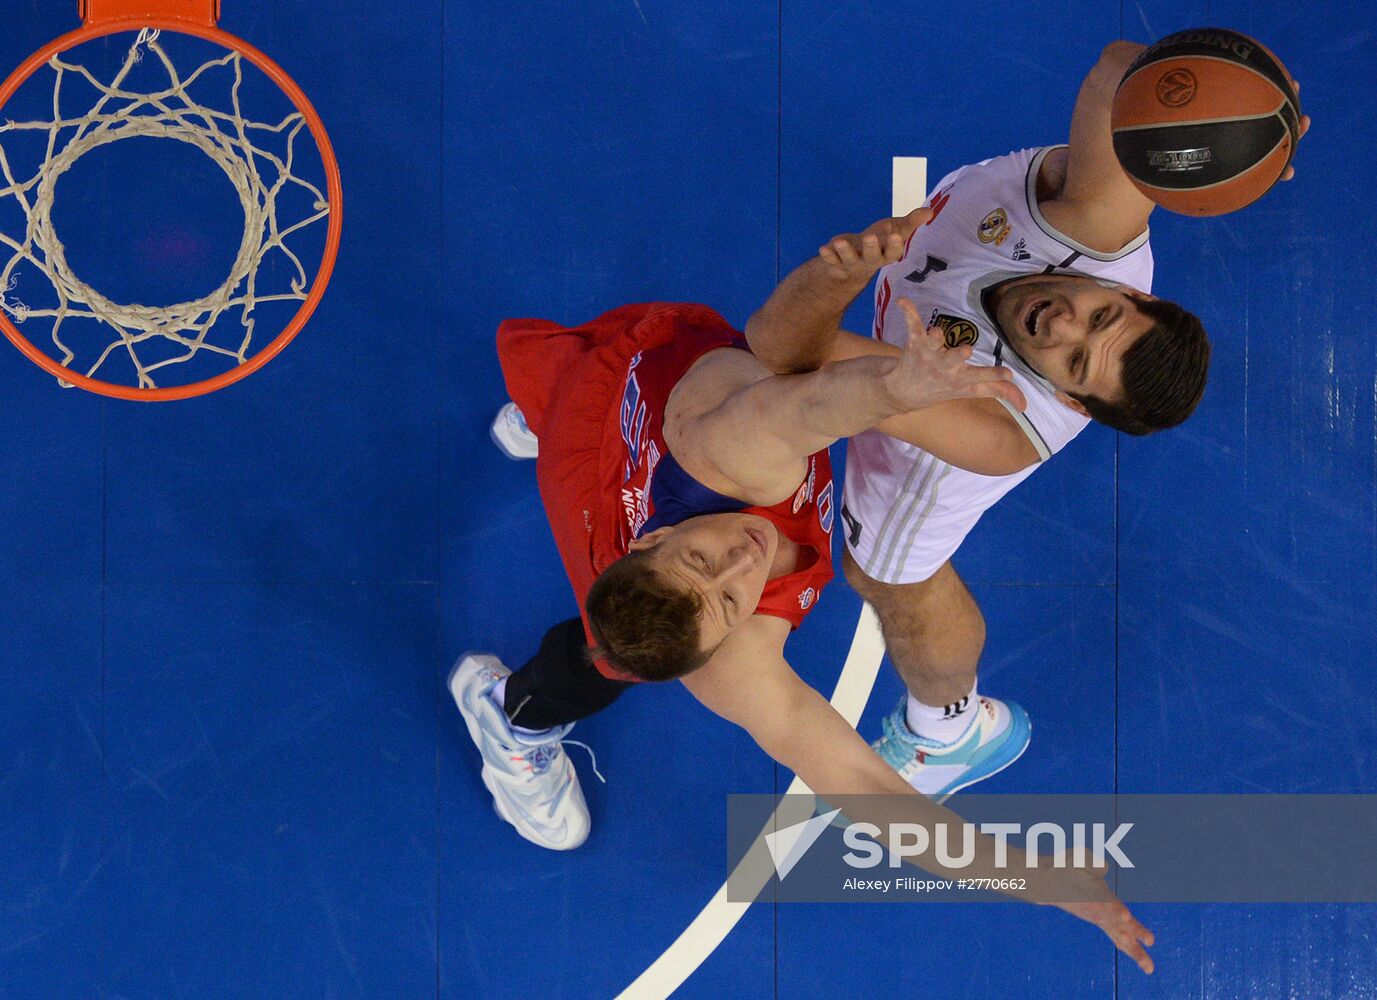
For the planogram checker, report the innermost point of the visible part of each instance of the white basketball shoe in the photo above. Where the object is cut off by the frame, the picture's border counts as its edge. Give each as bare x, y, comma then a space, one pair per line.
533, 783
511, 435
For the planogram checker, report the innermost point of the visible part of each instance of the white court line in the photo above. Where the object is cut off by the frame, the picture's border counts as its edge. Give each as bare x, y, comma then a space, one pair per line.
910, 184
716, 920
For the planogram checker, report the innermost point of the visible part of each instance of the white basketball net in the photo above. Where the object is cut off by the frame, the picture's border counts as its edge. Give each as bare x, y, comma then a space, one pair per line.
223, 135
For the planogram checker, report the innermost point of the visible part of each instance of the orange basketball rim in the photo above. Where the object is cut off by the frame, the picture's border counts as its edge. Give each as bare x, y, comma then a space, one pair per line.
198, 18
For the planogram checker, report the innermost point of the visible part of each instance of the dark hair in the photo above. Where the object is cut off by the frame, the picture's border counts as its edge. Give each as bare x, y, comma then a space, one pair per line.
1164, 373
642, 624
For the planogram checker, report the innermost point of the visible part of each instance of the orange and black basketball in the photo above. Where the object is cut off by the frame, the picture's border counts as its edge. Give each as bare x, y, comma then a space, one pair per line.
1205, 121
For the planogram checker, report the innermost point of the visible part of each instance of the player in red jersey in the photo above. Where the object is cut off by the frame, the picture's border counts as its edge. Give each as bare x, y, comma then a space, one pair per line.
691, 497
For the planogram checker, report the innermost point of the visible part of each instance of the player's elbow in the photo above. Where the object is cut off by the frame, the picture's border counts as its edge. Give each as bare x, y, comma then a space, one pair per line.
1115, 58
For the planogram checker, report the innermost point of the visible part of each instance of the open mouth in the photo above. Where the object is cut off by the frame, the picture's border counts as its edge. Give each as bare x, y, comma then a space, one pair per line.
1030, 321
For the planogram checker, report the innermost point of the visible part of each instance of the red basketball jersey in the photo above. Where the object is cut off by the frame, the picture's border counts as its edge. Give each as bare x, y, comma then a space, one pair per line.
607, 481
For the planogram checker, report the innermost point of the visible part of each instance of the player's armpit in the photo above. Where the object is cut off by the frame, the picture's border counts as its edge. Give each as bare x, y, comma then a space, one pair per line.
978, 435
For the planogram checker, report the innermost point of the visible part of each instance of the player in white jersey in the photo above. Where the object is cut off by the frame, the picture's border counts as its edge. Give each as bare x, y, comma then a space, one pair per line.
1039, 260
984, 228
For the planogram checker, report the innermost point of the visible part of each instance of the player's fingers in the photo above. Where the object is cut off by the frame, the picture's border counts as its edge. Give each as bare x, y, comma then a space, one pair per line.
1135, 951
1130, 936
911, 320
1139, 932
922, 349
1304, 125
845, 252
1288, 173
870, 248
894, 246
997, 382
1013, 395
985, 373
913, 220
1006, 391
829, 257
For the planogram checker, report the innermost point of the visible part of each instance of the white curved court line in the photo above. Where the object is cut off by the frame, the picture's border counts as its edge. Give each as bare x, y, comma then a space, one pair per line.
716, 920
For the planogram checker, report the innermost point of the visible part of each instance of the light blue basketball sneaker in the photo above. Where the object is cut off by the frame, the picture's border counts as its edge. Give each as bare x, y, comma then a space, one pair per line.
996, 737
532, 780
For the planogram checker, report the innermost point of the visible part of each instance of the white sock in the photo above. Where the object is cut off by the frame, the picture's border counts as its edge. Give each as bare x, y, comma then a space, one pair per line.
941, 723
498, 694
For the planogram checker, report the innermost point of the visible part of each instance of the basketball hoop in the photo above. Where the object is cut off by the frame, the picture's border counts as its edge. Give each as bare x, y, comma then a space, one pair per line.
187, 329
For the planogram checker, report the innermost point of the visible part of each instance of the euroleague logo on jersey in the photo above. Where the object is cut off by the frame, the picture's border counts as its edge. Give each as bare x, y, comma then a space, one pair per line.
994, 228
805, 599
956, 332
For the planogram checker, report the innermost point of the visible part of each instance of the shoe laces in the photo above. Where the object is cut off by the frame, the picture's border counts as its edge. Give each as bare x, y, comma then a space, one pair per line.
592, 758
538, 758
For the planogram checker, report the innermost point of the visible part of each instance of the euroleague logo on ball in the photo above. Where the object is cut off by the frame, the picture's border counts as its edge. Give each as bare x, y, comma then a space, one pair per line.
1176, 87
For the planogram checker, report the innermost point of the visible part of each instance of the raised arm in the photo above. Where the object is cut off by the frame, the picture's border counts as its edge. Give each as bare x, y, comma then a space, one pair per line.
758, 439
748, 682
797, 330
794, 331
1097, 204
1093, 201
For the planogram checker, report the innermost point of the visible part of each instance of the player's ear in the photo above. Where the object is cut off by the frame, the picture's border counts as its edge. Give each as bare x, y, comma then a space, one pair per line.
1072, 403
650, 540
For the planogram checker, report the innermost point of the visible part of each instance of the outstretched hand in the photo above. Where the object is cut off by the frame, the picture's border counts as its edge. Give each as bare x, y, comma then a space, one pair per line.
859, 256
1090, 898
929, 372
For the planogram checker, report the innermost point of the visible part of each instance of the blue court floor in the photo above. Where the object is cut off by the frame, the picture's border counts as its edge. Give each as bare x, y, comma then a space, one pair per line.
229, 769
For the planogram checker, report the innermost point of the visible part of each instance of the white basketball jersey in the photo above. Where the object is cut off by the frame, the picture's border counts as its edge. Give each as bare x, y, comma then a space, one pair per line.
906, 512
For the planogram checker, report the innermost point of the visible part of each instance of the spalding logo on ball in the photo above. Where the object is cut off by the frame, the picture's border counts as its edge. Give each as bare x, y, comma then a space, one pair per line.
1206, 121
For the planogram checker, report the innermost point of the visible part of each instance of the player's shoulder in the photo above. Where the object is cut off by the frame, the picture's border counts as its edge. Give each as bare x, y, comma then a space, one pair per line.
1049, 424
1011, 167
990, 215
981, 205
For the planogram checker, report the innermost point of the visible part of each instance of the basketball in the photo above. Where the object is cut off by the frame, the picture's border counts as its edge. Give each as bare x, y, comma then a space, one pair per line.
1205, 121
